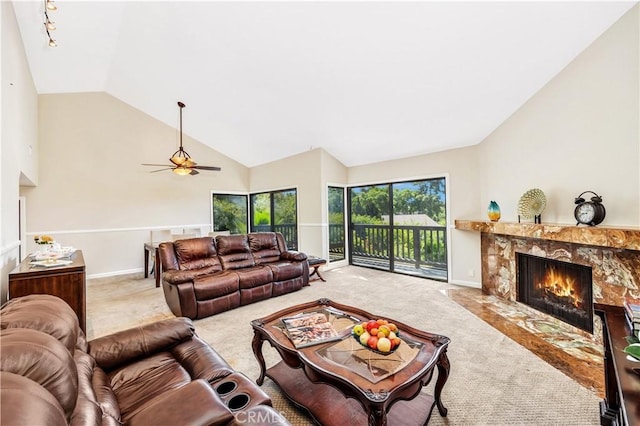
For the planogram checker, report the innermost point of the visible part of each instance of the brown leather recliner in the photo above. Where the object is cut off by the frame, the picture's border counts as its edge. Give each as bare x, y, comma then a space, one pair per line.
206, 276
159, 373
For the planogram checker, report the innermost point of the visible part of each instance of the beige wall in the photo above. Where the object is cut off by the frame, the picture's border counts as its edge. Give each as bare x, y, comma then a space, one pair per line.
95, 194
580, 132
19, 148
302, 172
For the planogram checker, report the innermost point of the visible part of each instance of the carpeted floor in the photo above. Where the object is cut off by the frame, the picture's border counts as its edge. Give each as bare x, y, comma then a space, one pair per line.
493, 380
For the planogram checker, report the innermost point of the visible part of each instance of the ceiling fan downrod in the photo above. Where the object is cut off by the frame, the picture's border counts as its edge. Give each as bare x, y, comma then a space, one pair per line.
181, 157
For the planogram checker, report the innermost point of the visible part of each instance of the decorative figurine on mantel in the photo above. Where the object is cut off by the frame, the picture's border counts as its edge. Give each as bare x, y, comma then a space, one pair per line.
493, 211
531, 205
589, 212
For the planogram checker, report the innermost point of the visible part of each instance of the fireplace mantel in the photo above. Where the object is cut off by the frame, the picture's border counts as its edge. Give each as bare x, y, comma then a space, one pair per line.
612, 253
600, 236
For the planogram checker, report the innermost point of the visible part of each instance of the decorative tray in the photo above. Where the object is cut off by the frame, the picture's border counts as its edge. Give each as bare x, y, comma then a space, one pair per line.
51, 263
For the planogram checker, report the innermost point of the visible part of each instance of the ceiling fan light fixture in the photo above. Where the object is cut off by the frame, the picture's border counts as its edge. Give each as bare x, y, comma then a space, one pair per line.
51, 5
182, 171
183, 165
178, 159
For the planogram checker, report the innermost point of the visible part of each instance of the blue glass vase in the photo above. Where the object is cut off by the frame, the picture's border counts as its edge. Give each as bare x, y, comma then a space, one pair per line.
493, 211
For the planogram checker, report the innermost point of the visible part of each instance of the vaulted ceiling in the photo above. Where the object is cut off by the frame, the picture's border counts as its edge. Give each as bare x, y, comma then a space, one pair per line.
366, 81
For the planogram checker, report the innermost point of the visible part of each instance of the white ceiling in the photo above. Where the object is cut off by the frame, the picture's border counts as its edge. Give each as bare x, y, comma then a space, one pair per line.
366, 81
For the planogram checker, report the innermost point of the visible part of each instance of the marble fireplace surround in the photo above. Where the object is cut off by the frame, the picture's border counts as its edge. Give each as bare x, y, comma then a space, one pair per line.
612, 253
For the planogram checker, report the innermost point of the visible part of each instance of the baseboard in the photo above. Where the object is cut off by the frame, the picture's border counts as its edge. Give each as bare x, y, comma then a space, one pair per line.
115, 273
471, 284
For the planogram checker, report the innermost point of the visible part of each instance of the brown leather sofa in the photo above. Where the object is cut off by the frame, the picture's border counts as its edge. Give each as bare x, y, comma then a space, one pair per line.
156, 374
205, 276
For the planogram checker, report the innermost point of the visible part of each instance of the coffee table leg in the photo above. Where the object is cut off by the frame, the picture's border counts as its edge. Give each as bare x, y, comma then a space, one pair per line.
443, 375
256, 344
377, 417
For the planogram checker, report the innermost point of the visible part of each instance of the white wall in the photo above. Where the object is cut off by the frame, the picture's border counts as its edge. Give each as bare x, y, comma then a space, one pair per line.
19, 147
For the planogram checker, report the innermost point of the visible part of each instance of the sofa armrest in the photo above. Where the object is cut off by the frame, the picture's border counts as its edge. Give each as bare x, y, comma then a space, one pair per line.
293, 255
129, 345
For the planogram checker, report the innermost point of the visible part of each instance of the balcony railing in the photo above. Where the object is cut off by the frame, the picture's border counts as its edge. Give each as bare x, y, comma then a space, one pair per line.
418, 250
289, 232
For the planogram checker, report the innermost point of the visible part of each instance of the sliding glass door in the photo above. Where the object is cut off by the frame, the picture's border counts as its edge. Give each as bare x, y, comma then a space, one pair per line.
369, 221
337, 241
400, 227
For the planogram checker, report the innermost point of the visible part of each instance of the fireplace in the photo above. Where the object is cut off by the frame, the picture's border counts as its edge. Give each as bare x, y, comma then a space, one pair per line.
560, 289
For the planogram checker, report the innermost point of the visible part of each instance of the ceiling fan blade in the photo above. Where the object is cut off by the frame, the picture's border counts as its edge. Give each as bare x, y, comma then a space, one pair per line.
157, 165
194, 172
213, 168
161, 170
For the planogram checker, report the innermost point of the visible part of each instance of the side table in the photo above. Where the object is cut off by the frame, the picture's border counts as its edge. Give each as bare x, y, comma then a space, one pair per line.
67, 282
315, 263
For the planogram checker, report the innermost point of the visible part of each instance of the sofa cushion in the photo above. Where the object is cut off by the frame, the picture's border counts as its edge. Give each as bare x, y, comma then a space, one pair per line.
264, 247
197, 253
254, 277
216, 285
25, 402
234, 251
178, 276
43, 312
138, 383
43, 359
285, 270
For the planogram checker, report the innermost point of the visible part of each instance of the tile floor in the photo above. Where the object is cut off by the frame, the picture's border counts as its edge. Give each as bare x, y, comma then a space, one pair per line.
576, 353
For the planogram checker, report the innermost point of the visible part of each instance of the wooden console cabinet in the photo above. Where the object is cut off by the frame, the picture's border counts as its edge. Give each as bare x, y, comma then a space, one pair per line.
621, 406
68, 282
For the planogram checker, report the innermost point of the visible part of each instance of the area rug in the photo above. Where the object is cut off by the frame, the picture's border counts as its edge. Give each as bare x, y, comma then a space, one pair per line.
493, 380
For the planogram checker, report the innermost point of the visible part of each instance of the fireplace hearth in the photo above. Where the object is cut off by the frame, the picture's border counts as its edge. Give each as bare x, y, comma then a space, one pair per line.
560, 289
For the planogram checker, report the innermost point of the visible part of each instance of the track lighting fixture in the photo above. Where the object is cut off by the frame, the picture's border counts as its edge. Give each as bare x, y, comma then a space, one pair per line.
49, 25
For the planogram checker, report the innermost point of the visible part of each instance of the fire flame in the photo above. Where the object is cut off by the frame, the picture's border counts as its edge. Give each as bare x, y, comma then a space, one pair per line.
561, 285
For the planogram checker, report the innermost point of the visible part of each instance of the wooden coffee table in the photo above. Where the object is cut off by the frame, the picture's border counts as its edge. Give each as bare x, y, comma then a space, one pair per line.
339, 382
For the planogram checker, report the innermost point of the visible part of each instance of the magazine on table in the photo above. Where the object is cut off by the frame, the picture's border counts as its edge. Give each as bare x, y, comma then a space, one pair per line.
308, 329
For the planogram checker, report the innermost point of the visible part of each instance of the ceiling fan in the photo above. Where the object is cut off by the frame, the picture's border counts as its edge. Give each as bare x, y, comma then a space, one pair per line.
182, 163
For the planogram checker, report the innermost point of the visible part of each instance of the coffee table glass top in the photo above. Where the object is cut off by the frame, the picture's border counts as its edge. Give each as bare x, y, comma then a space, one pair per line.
322, 325
371, 365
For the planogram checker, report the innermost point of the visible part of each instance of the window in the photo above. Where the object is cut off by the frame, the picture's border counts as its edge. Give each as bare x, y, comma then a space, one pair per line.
229, 213
276, 211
